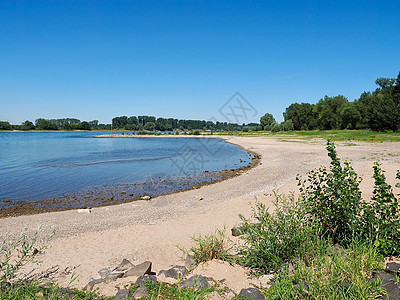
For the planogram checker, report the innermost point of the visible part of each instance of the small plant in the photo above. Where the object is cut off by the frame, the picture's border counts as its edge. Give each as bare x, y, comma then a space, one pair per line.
209, 247
16, 253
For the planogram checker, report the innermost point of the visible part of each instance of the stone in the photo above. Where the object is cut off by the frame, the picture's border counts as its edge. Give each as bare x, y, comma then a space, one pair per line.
92, 283
197, 281
140, 293
124, 265
142, 279
84, 211
190, 262
122, 295
113, 276
123, 193
6, 200
145, 197
175, 272
393, 267
388, 282
139, 270
104, 272
251, 293
236, 231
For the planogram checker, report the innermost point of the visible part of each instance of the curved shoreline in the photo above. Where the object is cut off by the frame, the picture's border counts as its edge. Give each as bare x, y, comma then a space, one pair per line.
151, 230
66, 203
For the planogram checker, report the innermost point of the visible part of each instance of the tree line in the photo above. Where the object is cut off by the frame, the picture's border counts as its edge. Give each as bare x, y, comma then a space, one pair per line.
378, 110
56, 124
151, 123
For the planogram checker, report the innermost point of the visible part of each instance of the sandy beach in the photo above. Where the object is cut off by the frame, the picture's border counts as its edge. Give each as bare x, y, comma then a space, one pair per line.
151, 230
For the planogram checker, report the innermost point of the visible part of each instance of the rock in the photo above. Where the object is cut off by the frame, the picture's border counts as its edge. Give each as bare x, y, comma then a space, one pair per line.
113, 276
124, 265
393, 267
140, 293
190, 262
145, 197
123, 193
104, 272
139, 270
175, 272
92, 283
251, 293
122, 295
6, 200
388, 283
198, 282
142, 279
237, 231
84, 211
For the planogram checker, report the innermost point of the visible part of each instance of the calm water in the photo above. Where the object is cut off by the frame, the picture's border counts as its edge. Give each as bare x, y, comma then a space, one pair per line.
42, 165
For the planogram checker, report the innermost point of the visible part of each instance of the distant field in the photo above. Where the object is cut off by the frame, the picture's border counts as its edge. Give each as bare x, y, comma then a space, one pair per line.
334, 135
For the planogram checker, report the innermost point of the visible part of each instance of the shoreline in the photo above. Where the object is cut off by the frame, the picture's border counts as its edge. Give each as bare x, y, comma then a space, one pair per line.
66, 202
151, 230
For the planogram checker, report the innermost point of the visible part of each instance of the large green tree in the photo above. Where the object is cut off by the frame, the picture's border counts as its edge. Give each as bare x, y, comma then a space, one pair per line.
267, 121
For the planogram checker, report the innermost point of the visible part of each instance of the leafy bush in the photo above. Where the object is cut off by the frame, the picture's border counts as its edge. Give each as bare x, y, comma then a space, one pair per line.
332, 198
333, 201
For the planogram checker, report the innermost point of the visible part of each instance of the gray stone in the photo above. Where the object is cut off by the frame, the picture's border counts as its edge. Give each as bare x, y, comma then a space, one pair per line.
140, 293
122, 295
142, 279
113, 276
198, 282
389, 284
124, 265
237, 231
190, 262
175, 272
393, 267
104, 272
251, 293
92, 283
139, 270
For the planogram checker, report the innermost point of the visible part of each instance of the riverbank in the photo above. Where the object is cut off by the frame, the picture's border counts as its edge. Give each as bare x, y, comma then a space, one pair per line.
151, 230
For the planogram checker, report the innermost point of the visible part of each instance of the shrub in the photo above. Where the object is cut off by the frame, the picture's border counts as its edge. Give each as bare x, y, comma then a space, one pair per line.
332, 198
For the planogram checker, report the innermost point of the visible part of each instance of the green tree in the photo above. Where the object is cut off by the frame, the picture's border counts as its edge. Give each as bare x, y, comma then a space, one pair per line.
267, 121
303, 116
350, 116
328, 110
4, 125
27, 125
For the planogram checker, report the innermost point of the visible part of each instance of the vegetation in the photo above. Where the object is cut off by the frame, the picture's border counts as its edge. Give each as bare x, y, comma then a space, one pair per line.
378, 110
327, 243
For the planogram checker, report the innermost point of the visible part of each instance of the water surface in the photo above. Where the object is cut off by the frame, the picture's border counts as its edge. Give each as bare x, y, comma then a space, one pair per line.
42, 165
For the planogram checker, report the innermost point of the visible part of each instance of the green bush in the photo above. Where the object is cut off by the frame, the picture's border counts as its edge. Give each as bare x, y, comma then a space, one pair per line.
332, 198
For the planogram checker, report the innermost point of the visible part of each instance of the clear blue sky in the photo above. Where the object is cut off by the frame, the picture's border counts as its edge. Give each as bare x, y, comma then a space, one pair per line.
185, 59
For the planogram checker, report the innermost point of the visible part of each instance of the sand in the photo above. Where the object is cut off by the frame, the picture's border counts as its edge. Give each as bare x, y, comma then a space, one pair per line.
151, 230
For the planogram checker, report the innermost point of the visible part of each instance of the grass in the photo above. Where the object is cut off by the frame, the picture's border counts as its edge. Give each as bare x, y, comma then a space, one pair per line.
161, 290
344, 135
209, 247
333, 135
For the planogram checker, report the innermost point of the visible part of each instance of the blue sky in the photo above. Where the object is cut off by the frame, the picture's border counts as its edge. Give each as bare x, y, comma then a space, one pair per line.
185, 59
